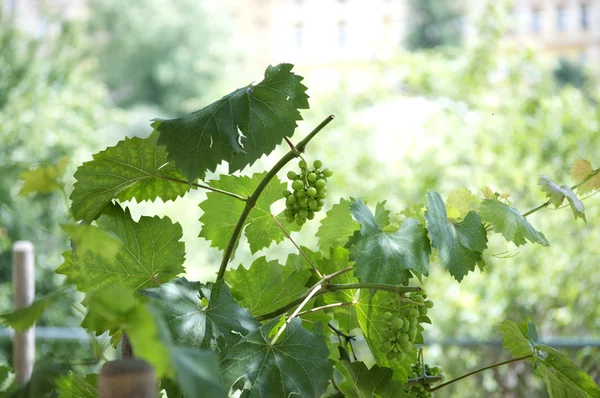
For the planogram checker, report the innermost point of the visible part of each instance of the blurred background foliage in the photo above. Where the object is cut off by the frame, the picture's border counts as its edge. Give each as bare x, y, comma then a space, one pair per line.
480, 114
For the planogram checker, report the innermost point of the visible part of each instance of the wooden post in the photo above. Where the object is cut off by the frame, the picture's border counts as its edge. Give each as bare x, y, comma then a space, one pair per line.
24, 292
127, 378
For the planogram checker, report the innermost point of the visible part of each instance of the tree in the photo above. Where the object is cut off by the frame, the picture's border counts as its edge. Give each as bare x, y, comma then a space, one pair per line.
160, 52
434, 23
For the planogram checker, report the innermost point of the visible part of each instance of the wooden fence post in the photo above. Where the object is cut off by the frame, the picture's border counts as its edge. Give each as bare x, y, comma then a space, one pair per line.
127, 378
24, 293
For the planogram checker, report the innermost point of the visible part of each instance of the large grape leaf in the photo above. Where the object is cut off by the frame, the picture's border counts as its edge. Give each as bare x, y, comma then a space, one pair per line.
44, 178
239, 128
266, 286
556, 195
134, 168
362, 382
383, 257
296, 365
198, 315
77, 386
463, 201
87, 238
459, 244
563, 378
337, 226
221, 212
151, 253
510, 223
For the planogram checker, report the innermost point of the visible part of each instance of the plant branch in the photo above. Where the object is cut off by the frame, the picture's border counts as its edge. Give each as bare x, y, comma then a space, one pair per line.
297, 247
330, 288
203, 186
310, 295
478, 371
251, 201
324, 307
336, 273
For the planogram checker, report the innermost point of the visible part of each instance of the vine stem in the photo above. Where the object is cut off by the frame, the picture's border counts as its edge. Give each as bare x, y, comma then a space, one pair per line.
324, 307
251, 201
330, 288
203, 186
297, 247
478, 371
295, 313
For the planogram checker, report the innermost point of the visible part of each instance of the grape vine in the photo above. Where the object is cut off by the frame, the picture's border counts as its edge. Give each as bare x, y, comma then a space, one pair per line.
265, 327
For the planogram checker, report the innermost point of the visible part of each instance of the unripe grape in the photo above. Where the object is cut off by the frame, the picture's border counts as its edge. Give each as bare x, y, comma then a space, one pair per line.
412, 334
312, 177
302, 202
290, 219
413, 322
317, 164
290, 200
286, 193
422, 311
295, 206
322, 195
320, 183
300, 221
310, 215
320, 202
387, 316
429, 304
390, 355
301, 194
413, 313
297, 185
288, 213
291, 175
302, 213
311, 191
400, 356
396, 323
302, 164
418, 298
327, 173
403, 338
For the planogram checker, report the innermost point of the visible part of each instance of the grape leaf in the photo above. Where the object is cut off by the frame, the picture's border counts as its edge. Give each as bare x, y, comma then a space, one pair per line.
416, 211
77, 386
151, 253
463, 201
266, 286
515, 339
369, 312
239, 128
362, 382
382, 257
297, 365
191, 322
563, 378
89, 238
134, 168
510, 223
8, 381
581, 170
337, 226
554, 192
43, 179
459, 244
221, 212
24, 318
382, 215
576, 205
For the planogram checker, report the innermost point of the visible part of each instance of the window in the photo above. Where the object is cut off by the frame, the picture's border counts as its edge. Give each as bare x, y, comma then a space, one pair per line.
299, 35
560, 19
536, 20
341, 33
585, 17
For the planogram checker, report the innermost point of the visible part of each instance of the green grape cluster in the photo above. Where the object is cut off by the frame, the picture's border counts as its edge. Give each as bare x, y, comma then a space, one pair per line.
402, 330
309, 190
419, 391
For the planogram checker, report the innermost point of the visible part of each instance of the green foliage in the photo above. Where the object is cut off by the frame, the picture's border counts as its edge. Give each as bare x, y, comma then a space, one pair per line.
459, 245
362, 382
24, 318
151, 253
507, 221
434, 23
43, 179
76, 386
200, 316
221, 212
296, 365
134, 168
239, 128
562, 377
266, 285
568, 72
384, 257
337, 226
